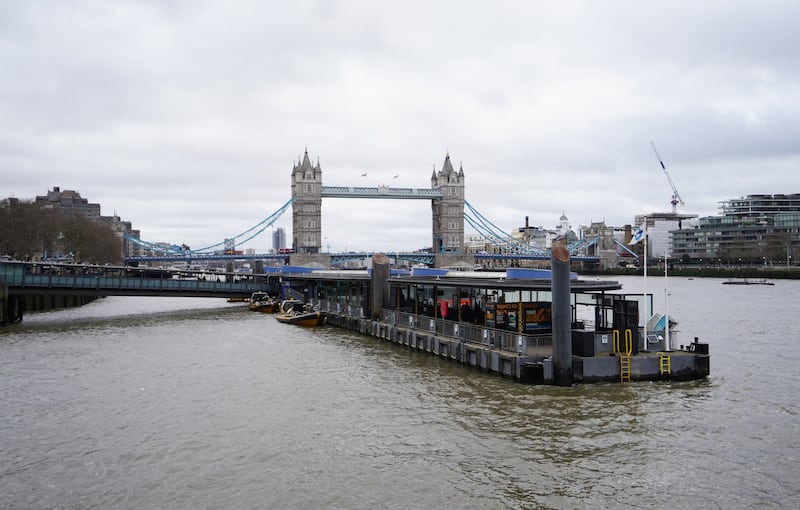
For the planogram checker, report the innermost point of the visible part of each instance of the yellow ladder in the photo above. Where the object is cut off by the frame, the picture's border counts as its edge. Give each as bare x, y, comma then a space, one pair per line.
664, 364
624, 357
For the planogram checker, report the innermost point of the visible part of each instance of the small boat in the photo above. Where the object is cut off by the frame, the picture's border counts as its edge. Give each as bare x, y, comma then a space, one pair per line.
748, 281
300, 314
262, 302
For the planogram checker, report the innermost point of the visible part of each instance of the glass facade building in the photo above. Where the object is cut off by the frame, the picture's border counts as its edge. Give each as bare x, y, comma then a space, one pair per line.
757, 229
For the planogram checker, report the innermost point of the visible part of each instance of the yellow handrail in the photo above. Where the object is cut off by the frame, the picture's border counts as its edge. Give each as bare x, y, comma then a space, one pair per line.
628, 342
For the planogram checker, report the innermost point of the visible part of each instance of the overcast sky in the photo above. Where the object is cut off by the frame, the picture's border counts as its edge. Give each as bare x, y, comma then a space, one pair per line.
186, 117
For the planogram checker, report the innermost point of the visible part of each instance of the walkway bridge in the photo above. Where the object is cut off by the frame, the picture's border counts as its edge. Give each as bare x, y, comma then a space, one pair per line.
380, 192
28, 278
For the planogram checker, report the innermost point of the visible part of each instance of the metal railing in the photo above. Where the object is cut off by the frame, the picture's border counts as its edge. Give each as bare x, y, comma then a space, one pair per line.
503, 340
107, 280
339, 308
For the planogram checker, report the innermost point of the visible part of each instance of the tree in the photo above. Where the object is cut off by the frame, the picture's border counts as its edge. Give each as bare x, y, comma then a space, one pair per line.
26, 229
29, 231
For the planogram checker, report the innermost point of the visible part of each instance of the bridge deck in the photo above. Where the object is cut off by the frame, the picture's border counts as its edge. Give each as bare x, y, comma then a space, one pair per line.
28, 278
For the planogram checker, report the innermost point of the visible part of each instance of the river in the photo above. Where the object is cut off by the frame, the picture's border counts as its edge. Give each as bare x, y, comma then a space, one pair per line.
197, 403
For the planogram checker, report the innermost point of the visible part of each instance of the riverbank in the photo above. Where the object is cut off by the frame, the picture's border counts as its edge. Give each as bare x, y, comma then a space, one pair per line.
773, 272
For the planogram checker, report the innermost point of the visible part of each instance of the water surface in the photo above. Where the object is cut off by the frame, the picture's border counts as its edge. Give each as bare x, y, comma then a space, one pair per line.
186, 403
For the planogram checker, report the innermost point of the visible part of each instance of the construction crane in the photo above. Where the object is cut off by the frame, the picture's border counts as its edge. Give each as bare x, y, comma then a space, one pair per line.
676, 197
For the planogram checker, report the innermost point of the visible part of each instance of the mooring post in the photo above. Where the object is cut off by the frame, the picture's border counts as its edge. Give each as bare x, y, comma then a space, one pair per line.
562, 315
380, 285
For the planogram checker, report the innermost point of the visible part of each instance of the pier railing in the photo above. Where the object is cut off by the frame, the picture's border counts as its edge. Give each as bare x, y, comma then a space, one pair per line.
338, 308
496, 338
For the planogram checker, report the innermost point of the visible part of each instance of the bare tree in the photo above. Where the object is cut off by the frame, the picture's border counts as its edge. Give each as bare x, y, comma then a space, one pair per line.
29, 231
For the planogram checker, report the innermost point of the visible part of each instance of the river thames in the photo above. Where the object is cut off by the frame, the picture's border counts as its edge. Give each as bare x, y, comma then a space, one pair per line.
198, 403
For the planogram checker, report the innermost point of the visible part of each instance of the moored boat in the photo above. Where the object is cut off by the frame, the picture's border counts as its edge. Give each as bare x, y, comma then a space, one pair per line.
300, 314
262, 302
748, 281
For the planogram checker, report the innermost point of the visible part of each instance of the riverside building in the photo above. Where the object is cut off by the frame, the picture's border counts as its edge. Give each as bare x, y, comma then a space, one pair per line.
752, 230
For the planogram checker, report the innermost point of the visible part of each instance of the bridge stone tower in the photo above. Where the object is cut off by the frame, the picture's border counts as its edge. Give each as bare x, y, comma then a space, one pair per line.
307, 212
448, 214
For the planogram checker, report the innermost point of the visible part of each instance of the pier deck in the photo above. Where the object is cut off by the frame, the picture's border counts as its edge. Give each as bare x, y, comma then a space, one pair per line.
535, 364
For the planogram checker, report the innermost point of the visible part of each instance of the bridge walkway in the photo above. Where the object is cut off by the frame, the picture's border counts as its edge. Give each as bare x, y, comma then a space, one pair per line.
28, 278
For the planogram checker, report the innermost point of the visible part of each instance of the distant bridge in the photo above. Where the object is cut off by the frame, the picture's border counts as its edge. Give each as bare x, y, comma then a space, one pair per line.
450, 213
340, 258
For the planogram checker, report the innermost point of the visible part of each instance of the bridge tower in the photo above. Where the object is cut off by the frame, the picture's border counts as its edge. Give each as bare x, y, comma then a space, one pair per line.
448, 213
307, 207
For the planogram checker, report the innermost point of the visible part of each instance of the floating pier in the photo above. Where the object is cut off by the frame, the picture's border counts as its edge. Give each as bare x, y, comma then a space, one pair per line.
518, 324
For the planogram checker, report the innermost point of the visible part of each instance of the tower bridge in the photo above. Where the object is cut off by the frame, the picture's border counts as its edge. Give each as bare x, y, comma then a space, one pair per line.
449, 212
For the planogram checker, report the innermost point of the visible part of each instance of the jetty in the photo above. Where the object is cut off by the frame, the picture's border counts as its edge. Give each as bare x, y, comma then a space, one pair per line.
535, 326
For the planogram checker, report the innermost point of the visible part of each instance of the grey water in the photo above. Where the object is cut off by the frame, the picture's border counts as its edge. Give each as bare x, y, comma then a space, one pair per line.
198, 403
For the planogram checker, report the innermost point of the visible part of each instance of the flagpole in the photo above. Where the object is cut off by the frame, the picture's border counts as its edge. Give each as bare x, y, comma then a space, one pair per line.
646, 307
666, 305
641, 235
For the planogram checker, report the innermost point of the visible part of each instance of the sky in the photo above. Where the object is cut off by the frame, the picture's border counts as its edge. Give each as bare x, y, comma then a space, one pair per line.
186, 117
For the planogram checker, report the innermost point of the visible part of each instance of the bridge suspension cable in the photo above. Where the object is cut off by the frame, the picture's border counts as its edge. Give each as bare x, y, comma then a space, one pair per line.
505, 241
495, 234
252, 232
243, 237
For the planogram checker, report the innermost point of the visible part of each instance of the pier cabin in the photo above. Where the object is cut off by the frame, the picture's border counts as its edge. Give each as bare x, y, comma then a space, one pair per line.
503, 321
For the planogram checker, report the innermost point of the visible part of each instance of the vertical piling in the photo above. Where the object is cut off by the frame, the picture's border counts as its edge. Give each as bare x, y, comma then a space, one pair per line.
562, 312
380, 285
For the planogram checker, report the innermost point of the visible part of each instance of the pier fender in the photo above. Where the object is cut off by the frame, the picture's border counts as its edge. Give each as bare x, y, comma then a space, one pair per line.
548, 371
494, 362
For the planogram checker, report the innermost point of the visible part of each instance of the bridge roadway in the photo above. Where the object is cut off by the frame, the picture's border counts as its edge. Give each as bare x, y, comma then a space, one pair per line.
28, 278
417, 257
